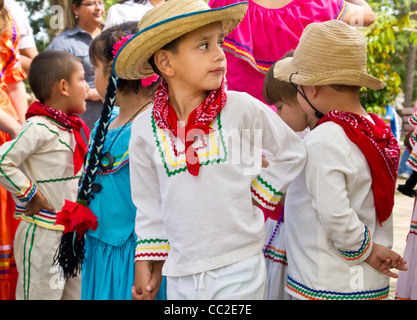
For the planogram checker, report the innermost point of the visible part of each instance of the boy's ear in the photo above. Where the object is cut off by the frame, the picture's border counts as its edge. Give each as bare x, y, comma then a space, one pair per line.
163, 62
315, 91
62, 86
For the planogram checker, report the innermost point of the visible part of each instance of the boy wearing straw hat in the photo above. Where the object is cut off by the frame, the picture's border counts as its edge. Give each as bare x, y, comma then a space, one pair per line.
195, 159
338, 210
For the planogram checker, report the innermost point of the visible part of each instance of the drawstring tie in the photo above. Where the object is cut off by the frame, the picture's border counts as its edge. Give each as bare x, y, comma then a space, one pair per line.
199, 285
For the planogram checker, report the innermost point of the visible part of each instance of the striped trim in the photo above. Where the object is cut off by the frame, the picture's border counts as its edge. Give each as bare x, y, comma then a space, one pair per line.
412, 160
356, 255
6, 259
171, 150
413, 119
44, 218
399, 298
303, 291
342, 11
245, 53
152, 249
265, 194
27, 193
413, 228
26, 260
276, 255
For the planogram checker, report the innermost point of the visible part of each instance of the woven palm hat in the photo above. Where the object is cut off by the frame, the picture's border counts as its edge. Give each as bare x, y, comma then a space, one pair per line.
330, 52
165, 23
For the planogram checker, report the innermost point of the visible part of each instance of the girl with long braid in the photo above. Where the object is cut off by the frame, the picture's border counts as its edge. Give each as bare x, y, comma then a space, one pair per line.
107, 257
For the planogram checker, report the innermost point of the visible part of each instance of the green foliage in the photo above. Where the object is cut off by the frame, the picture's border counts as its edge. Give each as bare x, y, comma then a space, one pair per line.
381, 36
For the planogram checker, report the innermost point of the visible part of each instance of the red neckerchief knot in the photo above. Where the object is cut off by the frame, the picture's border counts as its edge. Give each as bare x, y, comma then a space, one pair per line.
72, 121
380, 149
198, 121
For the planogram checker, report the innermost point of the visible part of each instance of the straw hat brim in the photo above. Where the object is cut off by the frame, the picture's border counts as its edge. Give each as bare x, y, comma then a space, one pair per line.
131, 61
285, 68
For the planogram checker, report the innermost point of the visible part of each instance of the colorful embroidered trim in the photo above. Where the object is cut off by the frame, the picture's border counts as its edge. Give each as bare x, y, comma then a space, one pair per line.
6, 259
413, 119
245, 53
265, 194
342, 10
311, 294
413, 228
355, 255
276, 255
152, 249
210, 148
412, 160
44, 218
27, 193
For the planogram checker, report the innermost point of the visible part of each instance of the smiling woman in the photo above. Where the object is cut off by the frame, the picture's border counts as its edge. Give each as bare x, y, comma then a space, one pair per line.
84, 19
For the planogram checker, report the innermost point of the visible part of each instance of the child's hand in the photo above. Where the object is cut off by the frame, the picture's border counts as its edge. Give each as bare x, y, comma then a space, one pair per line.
148, 278
383, 259
38, 203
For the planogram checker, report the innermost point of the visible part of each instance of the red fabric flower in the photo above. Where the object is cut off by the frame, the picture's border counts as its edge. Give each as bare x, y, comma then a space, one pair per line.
146, 82
76, 217
120, 43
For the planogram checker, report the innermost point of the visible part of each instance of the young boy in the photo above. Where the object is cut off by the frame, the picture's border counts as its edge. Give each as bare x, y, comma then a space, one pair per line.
338, 210
193, 185
41, 168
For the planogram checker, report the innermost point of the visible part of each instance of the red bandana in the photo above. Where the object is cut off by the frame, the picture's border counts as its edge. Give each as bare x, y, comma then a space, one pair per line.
380, 149
197, 124
72, 121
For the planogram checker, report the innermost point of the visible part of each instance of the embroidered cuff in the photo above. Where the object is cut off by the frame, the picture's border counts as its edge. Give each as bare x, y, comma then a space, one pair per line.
265, 194
413, 119
27, 193
152, 249
363, 252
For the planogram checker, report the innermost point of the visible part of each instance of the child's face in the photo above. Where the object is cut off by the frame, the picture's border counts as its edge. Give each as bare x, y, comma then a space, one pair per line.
200, 62
77, 90
101, 79
292, 114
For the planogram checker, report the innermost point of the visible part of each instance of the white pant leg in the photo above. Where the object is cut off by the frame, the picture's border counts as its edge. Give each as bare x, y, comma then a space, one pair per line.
242, 280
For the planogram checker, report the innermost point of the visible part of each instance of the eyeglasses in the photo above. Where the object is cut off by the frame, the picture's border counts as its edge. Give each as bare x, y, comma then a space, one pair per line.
93, 3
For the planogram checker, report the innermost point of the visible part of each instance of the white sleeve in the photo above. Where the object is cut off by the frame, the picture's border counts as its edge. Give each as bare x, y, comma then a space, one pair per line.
286, 157
12, 154
152, 243
26, 35
329, 163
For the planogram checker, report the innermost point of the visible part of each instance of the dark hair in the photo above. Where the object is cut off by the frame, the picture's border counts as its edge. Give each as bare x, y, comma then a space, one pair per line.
344, 87
275, 90
101, 50
49, 67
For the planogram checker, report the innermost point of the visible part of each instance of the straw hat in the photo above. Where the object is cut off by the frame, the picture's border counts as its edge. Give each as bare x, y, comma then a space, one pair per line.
330, 52
165, 23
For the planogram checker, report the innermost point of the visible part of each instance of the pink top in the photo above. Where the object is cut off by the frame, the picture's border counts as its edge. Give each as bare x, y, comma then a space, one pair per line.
266, 35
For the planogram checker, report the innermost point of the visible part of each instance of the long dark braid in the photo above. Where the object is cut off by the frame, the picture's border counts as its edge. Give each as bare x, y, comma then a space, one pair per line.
70, 254
98, 142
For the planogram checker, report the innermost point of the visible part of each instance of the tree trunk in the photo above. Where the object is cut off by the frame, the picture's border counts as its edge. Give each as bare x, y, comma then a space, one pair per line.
410, 76
409, 85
